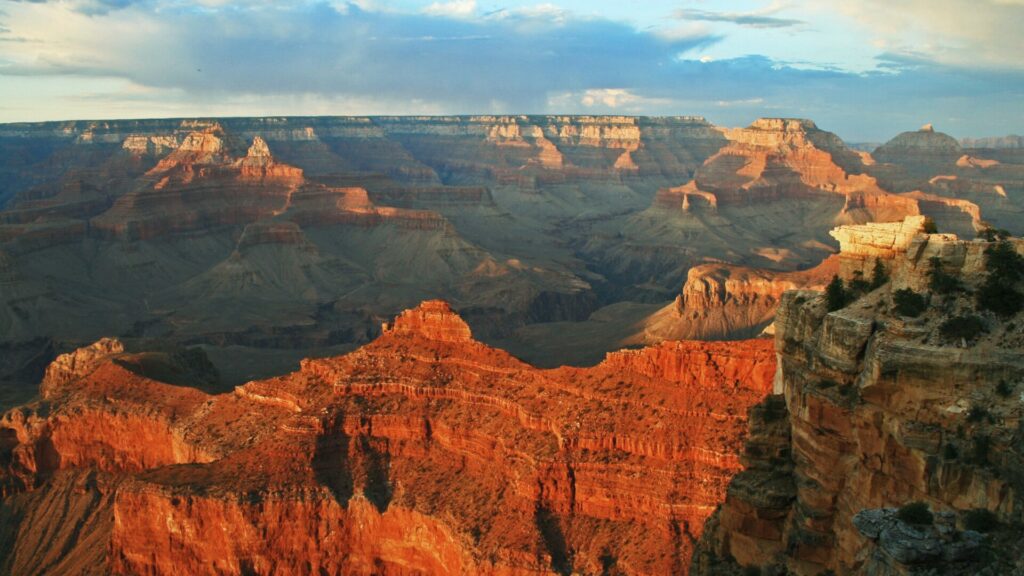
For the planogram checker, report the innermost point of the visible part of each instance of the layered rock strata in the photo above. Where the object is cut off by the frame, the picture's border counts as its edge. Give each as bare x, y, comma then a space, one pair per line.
877, 410
422, 452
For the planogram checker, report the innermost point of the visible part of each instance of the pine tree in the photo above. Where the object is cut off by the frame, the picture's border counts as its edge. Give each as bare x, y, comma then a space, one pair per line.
879, 275
835, 294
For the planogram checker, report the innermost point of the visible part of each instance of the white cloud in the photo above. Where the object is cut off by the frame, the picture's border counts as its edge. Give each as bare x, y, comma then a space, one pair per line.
969, 33
453, 8
619, 99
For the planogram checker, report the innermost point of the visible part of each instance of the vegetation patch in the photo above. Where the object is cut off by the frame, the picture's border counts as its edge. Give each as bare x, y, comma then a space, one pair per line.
916, 513
965, 327
978, 413
950, 452
909, 303
980, 520
1004, 388
836, 295
879, 274
940, 281
999, 293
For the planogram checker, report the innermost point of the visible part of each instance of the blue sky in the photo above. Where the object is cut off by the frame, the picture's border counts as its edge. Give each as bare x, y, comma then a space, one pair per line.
865, 70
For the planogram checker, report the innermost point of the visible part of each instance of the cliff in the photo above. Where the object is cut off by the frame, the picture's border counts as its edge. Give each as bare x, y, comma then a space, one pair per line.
924, 146
766, 199
881, 405
728, 302
421, 452
297, 236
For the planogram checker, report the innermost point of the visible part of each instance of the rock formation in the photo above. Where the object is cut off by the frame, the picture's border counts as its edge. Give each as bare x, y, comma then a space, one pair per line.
311, 231
767, 199
421, 452
876, 411
924, 146
725, 302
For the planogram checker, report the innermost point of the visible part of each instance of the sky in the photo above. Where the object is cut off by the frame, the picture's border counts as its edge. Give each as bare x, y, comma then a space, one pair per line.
866, 70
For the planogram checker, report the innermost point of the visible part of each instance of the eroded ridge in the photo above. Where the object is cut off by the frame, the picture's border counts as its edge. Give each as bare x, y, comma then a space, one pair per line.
422, 452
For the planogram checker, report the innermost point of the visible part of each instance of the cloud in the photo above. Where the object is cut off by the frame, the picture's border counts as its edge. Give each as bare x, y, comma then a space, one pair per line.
89, 7
758, 19
973, 33
183, 58
453, 8
512, 61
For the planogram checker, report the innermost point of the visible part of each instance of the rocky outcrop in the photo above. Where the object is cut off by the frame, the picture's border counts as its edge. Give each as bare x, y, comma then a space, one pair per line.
883, 411
141, 228
906, 548
953, 215
79, 363
968, 161
778, 174
777, 158
728, 302
924, 146
434, 320
861, 245
422, 452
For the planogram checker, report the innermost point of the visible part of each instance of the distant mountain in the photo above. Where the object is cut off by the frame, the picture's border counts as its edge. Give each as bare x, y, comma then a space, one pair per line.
1010, 141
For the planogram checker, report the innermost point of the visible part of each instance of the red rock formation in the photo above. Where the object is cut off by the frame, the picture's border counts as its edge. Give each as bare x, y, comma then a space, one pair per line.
422, 452
777, 158
434, 320
199, 186
876, 410
725, 302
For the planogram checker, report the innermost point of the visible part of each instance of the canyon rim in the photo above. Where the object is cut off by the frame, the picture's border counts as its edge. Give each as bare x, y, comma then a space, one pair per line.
416, 287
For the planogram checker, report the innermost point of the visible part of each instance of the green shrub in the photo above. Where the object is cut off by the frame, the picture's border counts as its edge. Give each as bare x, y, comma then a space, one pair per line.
1004, 388
999, 297
930, 227
859, 286
1005, 268
939, 281
836, 295
980, 520
1002, 261
992, 234
909, 303
950, 452
977, 413
916, 513
879, 275
966, 327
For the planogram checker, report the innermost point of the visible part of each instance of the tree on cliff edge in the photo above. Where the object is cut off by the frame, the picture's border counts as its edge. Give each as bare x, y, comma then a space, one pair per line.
835, 294
879, 275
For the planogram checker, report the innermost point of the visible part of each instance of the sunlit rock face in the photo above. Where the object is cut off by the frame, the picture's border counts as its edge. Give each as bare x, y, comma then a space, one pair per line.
875, 411
424, 451
766, 199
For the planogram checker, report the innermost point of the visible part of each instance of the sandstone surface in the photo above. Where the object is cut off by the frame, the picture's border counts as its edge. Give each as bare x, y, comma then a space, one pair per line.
876, 410
424, 451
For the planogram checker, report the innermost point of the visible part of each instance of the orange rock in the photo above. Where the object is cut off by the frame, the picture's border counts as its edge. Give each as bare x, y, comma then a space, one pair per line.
422, 452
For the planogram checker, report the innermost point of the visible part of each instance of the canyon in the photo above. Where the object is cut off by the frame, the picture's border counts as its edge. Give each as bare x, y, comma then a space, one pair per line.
504, 345
267, 240
877, 407
423, 451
